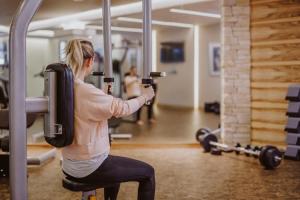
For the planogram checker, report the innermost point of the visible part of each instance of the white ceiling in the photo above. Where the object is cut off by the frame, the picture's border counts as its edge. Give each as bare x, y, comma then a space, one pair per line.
53, 8
166, 15
56, 8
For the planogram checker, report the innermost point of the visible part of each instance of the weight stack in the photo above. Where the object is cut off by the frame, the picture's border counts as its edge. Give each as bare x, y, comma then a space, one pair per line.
293, 123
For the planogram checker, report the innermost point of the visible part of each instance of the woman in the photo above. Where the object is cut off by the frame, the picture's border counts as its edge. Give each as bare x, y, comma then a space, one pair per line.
87, 159
133, 89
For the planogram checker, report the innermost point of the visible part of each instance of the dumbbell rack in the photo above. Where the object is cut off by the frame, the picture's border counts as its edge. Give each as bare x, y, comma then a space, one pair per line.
293, 124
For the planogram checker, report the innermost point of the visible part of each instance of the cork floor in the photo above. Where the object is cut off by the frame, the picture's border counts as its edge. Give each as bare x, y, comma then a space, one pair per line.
182, 171
182, 174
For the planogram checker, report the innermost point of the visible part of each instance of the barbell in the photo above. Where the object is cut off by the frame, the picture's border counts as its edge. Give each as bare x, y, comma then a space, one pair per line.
269, 156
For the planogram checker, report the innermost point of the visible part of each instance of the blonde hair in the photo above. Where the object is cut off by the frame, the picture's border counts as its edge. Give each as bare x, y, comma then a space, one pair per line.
77, 50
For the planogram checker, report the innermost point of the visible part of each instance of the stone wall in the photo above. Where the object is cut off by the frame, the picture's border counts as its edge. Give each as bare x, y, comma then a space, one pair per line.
236, 100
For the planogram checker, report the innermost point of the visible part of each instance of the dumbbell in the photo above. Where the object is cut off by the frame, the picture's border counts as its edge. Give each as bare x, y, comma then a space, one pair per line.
203, 131
200, 132
269, 156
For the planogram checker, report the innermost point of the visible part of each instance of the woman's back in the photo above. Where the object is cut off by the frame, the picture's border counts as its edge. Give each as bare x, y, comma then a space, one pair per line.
92, 109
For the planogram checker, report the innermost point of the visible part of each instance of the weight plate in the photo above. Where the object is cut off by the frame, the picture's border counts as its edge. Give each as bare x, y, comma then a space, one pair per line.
270, 158
262, 155
267, 157
201, 132
205, 141
216, 151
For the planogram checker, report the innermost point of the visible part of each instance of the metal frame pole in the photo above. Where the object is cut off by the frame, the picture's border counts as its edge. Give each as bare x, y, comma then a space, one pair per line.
17, 93
106, 21
147, 41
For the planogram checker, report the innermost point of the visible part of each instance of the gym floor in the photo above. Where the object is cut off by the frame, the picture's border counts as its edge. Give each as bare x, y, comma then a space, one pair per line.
173, 126
183, 171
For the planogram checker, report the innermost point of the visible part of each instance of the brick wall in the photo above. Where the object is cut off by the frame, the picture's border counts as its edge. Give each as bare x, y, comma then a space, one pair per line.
235, 100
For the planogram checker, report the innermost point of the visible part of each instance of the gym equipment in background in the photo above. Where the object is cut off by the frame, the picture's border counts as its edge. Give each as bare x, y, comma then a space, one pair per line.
293, 124
4, 125
3, 86
213, 107
269, 156
4, 145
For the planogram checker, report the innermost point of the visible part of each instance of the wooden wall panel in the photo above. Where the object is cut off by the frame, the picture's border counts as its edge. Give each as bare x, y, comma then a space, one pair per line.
269, 95
275, 61
272, 136
284, 52
269, 115
276, 31
276, 74
274, 10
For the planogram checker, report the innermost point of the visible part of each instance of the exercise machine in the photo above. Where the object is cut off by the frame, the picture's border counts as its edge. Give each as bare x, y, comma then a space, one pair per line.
4, 145
19, 105
58, 104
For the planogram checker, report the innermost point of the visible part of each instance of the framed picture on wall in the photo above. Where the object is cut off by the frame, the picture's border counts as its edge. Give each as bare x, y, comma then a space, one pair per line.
62, 46
214, 59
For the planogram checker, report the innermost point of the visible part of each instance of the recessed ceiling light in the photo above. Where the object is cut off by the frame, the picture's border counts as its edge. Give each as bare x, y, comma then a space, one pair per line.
196, 13
42, 33
39, 33
156, 22
79, 25
116, 28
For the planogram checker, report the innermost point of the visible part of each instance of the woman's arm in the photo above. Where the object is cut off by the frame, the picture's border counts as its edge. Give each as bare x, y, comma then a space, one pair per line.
101, 106
121, 108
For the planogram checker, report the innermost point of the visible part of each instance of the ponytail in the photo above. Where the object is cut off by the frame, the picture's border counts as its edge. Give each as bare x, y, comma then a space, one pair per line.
77, 50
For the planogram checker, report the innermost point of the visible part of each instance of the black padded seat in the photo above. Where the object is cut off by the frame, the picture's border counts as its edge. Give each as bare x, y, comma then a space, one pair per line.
78, 187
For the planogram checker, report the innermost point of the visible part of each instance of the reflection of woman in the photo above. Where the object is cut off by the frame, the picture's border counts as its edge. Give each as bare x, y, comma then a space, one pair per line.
133, 89
87, 159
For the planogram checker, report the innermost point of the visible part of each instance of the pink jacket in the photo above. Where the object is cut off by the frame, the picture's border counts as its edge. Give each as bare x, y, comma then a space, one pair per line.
92, 109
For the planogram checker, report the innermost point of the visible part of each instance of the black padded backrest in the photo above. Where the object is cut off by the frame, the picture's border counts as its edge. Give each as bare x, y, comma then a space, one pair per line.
65, 105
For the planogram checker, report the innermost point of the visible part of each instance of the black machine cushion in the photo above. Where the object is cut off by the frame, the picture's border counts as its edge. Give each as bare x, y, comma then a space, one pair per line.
78, 187
65, 105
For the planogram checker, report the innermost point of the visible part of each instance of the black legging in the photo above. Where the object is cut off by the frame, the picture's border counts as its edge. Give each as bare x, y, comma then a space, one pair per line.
115, 170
